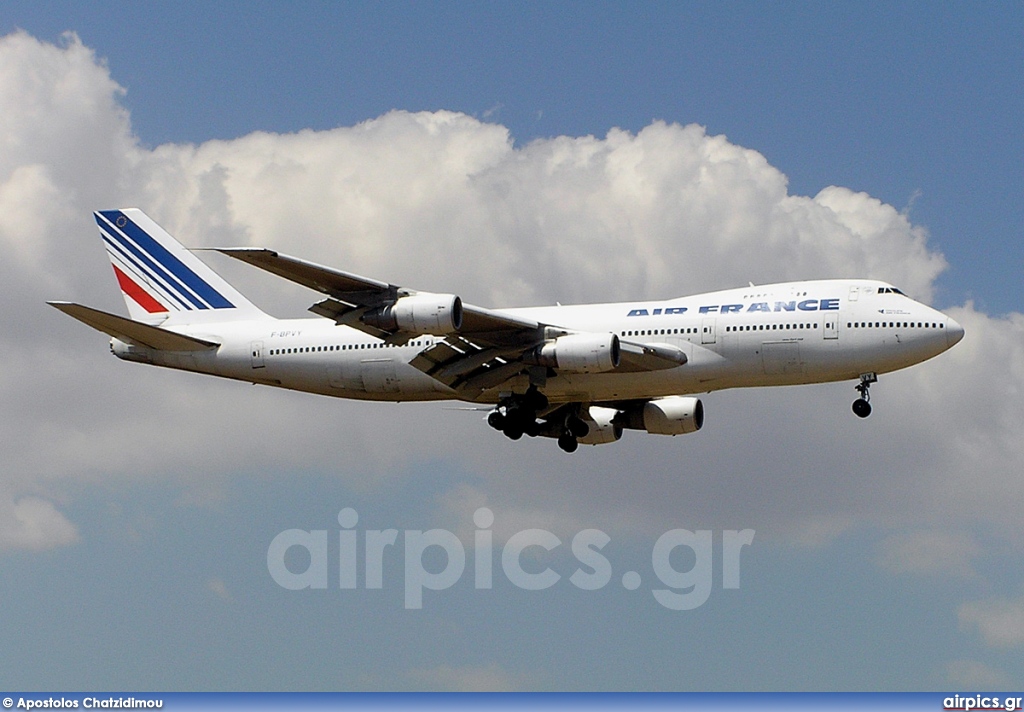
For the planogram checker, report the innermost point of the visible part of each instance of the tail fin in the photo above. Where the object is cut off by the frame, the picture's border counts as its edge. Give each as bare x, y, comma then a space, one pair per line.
161, 280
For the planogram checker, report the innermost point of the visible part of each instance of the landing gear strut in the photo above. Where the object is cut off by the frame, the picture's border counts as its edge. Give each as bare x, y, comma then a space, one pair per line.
862, 406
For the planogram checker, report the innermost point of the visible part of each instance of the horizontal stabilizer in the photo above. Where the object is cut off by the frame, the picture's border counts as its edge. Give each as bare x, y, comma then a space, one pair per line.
133, 332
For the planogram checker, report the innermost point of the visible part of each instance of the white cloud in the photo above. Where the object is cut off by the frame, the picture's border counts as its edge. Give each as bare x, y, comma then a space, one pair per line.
999, 621
33, 524
443, 201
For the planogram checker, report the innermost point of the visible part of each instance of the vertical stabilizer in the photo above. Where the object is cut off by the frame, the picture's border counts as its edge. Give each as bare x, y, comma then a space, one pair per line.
161, 280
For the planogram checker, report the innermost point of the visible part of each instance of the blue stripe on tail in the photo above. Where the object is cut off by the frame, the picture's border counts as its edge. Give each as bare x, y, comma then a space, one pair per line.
190, 285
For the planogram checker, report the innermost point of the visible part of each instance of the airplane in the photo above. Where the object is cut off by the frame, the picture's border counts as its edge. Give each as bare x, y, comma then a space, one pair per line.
579, 374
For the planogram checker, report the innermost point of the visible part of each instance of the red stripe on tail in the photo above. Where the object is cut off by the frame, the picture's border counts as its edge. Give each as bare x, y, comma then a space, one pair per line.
141, 296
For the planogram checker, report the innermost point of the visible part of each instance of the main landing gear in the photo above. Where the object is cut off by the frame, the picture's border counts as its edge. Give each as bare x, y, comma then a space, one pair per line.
862, 406
575, 427
516, 416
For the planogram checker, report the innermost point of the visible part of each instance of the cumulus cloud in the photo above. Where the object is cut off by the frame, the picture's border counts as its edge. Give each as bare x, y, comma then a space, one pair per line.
443, 201
33, 524
999, 621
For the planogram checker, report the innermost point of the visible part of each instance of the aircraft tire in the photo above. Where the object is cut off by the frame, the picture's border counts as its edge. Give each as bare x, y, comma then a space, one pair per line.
568, 443
861, 408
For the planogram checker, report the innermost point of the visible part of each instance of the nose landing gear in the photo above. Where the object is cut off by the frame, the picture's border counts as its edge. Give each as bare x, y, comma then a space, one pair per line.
862, 406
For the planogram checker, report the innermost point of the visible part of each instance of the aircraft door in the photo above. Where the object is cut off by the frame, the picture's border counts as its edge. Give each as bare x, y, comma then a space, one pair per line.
830, 325
707, 331
256, 350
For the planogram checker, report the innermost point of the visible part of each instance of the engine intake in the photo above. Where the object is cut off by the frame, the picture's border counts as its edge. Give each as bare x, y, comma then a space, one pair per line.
578, 353
422, 313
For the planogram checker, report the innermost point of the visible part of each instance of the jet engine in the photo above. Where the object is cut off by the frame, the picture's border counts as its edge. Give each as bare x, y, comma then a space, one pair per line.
674, 415
603, 426
578, 353
422, 313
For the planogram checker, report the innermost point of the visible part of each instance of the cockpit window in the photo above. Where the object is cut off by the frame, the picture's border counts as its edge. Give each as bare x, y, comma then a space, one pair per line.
889, 290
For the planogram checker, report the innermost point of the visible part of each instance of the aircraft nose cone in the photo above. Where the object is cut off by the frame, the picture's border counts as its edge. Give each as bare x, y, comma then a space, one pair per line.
954, 332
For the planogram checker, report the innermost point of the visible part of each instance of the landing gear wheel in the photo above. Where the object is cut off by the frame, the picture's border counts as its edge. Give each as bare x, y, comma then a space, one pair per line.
861, 406
496, 420
576, 426
532, 429
513, 432
568, 443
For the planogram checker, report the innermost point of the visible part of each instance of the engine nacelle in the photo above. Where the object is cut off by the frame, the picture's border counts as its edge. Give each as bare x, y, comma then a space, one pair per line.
674, 415
602, 429
422, 313
579, 353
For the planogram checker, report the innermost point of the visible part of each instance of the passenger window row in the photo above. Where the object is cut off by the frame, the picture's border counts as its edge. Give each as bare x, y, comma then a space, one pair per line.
894, 325
771, 327
658, 332
341, 347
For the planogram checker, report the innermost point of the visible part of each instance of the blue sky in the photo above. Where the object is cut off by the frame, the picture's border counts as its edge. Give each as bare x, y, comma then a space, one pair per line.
164, 584
915, 103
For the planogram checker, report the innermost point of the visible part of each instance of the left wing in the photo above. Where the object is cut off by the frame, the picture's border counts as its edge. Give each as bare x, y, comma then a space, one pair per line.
482, 348
358, 301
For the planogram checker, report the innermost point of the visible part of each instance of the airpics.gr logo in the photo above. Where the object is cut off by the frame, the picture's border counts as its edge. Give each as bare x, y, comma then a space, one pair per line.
679, 590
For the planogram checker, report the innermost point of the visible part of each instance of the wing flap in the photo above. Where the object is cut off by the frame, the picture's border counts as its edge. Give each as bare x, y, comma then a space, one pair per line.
464, 366
133, 332
348, 315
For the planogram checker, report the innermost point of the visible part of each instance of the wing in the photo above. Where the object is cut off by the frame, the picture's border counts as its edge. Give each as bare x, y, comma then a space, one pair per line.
352, 297
482, 348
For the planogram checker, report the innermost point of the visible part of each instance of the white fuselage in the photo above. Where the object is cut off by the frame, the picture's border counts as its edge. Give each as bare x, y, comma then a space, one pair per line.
780, 334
